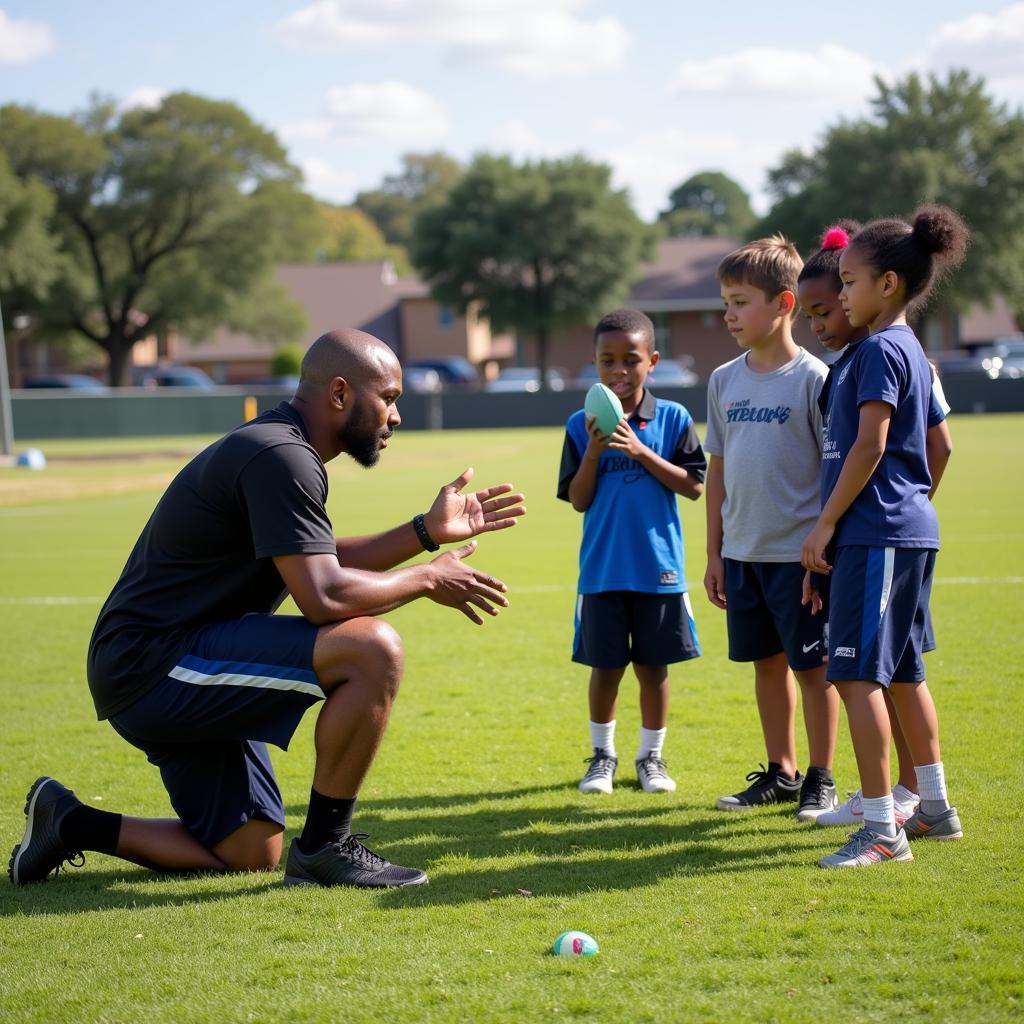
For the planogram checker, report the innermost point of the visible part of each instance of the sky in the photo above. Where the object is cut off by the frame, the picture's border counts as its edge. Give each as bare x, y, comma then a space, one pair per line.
658, 90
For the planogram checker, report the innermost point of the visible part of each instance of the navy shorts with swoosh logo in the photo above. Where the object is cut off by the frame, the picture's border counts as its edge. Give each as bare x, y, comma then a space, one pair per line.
765, 617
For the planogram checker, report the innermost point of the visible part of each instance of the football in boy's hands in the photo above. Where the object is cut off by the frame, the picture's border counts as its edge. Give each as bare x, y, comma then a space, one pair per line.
603, 404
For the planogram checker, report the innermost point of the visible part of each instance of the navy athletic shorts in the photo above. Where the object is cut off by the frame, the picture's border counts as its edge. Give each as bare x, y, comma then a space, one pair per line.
764, 615
879, 623
617, 627
241, 685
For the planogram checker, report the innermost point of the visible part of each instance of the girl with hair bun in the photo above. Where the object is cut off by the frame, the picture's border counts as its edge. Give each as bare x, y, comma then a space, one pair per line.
877, 534
818, 291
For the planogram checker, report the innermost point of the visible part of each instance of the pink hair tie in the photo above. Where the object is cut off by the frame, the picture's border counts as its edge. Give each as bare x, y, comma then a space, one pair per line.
835, 238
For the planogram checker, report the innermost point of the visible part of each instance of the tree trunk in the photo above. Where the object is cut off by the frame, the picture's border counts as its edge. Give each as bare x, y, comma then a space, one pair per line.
118, 349
542, 357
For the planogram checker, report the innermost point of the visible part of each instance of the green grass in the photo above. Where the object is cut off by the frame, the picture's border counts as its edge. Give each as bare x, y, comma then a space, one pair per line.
700, 916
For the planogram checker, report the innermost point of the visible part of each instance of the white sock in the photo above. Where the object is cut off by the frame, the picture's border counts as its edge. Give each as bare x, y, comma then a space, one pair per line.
900, 792
931, 780
880, 815
602, 736
651, 742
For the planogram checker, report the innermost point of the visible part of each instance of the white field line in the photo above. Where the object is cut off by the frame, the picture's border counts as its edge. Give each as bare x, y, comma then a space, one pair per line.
544, 588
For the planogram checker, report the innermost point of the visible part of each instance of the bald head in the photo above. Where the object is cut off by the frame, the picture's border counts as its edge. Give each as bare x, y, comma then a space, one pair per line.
355, 355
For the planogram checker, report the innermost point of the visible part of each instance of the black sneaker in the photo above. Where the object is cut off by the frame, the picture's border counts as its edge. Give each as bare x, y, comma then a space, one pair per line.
41, 851
599, 774
817, 795
767, 787
347, 862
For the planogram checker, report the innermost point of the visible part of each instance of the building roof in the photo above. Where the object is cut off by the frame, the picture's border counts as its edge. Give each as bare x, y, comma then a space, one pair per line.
682, 275
361, 295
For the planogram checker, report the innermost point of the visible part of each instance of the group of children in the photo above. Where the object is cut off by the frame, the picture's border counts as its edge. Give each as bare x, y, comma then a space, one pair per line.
821, 535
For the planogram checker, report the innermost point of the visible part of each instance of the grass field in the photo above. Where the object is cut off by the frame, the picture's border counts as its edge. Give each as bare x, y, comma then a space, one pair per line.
700, 916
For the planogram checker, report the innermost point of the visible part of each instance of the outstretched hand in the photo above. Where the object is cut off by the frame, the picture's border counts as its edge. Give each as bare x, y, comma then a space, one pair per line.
458, 585
455, 516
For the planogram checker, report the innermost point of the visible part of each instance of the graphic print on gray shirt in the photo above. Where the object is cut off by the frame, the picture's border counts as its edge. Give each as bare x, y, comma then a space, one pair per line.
767, 429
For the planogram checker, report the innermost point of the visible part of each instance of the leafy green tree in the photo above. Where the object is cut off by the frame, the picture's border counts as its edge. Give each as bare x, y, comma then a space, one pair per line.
29, 256
943, 140
537, 246
172, 217
350, 235
424, 180
707, 204
286, 361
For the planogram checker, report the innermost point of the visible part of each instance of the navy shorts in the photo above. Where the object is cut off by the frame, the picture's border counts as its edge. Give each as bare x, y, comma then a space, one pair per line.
765, 617
617, 627
241, 685
879, 623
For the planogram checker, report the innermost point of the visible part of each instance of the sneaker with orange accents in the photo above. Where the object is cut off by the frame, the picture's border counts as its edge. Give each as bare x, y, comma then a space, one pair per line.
934, 826
867, 848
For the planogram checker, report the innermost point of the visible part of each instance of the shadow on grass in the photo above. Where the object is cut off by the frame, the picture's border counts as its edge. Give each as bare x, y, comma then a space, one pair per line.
578, 846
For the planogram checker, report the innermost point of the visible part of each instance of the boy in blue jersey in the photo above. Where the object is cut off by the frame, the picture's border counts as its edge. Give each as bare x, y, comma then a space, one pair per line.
877, 534
632, 605
764, 448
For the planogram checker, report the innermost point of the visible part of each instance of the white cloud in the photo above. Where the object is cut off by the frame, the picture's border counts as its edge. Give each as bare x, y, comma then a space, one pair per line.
328, 181
988, 44
828, 73
147, 97
23, 41
538, 38
518, 139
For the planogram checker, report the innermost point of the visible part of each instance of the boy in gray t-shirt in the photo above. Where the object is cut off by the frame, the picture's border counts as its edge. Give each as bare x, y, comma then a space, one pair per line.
764, 450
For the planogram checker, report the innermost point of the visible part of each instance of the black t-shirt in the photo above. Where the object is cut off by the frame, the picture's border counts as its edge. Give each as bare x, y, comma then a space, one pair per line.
205, 554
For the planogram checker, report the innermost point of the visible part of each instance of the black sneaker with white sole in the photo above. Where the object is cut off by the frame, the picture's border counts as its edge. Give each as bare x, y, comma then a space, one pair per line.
767, 786
817, 795
41, 851
347, 862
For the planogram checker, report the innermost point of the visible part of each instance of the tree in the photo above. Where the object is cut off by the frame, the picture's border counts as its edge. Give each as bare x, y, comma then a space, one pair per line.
173, 217
350, 235
709, 203
926, 140
424, 181
536, 246
29, 256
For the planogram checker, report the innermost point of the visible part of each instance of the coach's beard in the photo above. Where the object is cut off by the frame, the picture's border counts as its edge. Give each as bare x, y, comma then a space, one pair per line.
361, 438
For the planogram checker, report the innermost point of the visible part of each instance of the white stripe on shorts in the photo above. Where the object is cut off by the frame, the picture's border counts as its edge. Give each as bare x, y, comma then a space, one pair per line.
890, 558
189, 675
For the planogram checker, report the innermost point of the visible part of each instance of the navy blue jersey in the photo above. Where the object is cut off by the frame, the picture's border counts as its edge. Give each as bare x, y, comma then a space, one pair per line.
632, 536
893, 507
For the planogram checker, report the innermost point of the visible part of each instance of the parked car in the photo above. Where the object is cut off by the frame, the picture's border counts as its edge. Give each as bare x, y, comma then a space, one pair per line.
421, 380
669, 373
526, 378
453, 371
177, 377
673, 373
71, 381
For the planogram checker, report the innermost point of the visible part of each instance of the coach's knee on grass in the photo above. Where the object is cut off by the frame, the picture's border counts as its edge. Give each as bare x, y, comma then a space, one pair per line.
256, 846
367, 647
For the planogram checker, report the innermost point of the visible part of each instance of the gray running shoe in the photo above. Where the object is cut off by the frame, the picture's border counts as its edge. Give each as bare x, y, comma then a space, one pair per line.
934, 826
598, 778
867, 848
816, 797
347, 862
41, 851
652, 774
767, 787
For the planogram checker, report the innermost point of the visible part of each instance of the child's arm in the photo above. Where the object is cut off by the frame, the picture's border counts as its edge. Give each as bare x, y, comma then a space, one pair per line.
714, 578
938, 443
584, 483
864, 456
674, 477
